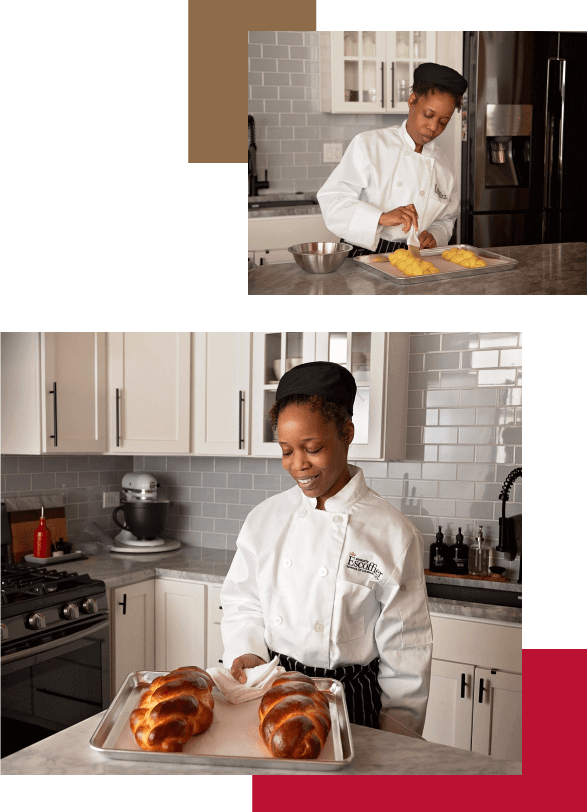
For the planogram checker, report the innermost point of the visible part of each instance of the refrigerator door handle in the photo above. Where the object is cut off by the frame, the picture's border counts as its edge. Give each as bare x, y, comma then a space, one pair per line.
563, 64
553, 151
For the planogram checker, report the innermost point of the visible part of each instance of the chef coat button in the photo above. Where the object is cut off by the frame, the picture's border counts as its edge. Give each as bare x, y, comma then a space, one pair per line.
323, 571
407, 152
422, 194
318, 627
399, 183
301, 514
287, 562
277, 620
403, 587
337, 519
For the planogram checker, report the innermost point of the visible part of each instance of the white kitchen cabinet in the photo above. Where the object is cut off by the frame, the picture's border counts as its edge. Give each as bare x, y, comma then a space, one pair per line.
221, 394
214, 644
163, 624
180, 611
132, 613
270, 237
485, 717
379, 362
372, 71
273, 354
148, 393
53, 393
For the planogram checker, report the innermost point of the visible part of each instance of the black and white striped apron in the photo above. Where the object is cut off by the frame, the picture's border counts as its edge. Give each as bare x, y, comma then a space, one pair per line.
362, 691
383, 247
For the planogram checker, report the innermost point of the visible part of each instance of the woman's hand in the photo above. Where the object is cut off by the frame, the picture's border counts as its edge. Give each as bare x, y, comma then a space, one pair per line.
242, 662
403, 215
427, 240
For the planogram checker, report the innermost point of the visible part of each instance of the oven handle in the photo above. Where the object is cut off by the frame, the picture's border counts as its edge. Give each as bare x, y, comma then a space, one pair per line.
62, 641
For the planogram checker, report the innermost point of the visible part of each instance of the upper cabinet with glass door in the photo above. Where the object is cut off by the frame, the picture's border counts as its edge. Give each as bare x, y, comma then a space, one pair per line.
273, 354
379, 363
372, 71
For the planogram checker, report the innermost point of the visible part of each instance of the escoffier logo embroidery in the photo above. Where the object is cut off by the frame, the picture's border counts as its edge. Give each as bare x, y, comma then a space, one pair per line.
438, 192
362, 565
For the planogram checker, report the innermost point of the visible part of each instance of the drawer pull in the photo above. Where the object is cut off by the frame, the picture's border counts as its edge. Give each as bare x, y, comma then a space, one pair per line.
463, 686
123, 604
481, 689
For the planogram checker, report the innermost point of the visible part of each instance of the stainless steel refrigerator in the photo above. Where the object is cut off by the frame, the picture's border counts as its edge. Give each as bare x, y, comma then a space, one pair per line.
524, 145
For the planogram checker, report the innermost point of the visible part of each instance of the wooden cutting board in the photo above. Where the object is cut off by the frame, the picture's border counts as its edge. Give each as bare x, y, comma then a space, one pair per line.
23, 524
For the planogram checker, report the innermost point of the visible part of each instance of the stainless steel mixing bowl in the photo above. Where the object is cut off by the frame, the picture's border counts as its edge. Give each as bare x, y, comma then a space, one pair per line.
320, 257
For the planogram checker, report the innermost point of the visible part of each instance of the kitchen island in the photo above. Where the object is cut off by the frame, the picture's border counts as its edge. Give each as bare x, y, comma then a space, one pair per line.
376, 753
543, 269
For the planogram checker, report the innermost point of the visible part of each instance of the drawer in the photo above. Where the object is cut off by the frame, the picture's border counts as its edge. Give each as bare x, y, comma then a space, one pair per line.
215, 647
214, 607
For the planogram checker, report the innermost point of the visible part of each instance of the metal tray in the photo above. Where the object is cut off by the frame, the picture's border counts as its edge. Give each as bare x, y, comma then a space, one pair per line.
446, 269
233, 739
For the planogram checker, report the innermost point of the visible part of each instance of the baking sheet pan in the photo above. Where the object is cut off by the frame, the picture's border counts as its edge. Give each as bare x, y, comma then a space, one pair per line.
446, 270
232, 740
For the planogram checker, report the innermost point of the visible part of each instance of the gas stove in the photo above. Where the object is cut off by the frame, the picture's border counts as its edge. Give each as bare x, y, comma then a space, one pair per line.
41, 604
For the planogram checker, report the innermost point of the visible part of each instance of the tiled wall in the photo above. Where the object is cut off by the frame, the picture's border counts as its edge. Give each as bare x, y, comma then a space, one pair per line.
464, 437
284, 99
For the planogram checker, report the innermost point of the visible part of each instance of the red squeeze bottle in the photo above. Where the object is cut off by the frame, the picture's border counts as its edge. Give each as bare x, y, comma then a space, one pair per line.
42, 538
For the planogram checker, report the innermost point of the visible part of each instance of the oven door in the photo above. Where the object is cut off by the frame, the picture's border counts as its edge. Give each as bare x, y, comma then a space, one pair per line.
55, 685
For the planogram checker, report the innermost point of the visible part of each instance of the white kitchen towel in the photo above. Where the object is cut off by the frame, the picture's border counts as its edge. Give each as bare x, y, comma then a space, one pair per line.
259, 680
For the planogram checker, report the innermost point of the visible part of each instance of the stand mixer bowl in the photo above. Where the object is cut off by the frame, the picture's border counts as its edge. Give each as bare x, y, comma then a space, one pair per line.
144, 519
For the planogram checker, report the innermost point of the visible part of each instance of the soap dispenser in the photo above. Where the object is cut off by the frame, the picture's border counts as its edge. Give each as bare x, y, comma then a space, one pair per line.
438, 554
460, 553
479, 555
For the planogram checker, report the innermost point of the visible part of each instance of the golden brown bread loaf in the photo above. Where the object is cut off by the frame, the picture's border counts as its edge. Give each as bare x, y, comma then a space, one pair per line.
176, 707
294, 715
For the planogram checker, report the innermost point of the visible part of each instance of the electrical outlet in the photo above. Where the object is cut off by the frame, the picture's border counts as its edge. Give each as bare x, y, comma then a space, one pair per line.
111, 499
332, 153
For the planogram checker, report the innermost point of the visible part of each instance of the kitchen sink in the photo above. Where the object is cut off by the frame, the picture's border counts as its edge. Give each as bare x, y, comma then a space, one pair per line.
495, 597
273, 204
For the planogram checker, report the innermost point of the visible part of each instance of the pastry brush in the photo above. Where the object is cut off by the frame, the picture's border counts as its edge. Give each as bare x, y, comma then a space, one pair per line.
413, 243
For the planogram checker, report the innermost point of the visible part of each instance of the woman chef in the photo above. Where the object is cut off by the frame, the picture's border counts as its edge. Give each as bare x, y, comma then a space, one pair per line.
391, 179
327, 575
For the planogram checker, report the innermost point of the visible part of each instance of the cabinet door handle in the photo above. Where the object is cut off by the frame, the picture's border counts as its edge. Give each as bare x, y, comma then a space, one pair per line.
392, 83
481, 689
382, 84
463, 686
118, 417
241, 409
54, 393
123, 604
219, 661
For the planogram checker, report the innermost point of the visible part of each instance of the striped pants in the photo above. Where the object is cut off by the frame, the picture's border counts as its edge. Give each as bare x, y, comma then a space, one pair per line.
361, 689
383, 247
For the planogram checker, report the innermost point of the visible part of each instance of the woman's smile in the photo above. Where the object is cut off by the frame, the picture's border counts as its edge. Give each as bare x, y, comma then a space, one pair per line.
307, 482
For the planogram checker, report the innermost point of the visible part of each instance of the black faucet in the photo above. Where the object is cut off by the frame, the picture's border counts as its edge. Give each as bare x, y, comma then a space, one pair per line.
504, 527
254, 184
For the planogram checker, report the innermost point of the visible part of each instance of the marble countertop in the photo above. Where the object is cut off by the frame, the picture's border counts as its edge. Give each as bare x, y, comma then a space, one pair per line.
376, 753
543, 269
285, 211
211, 566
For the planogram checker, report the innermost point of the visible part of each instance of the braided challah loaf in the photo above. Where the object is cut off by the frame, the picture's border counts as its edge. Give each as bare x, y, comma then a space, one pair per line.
410, 265
295, 719
176, 707
468, 259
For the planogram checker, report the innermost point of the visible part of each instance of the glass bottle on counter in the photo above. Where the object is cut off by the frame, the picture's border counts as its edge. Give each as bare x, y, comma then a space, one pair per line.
479, 555
42, 546
439, 554
460, 552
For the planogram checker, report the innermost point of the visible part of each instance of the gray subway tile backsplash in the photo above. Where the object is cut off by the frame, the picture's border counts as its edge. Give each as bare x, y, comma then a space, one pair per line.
452, 476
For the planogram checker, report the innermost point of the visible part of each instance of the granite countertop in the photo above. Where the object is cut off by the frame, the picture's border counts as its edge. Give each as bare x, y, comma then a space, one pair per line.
376, 753
542, 269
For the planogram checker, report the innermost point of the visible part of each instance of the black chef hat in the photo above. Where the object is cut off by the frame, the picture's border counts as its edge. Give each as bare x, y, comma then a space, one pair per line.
441, 75
333, 382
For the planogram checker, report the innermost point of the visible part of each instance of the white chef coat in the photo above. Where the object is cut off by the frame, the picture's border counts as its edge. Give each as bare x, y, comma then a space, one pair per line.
380, 171
334, 587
